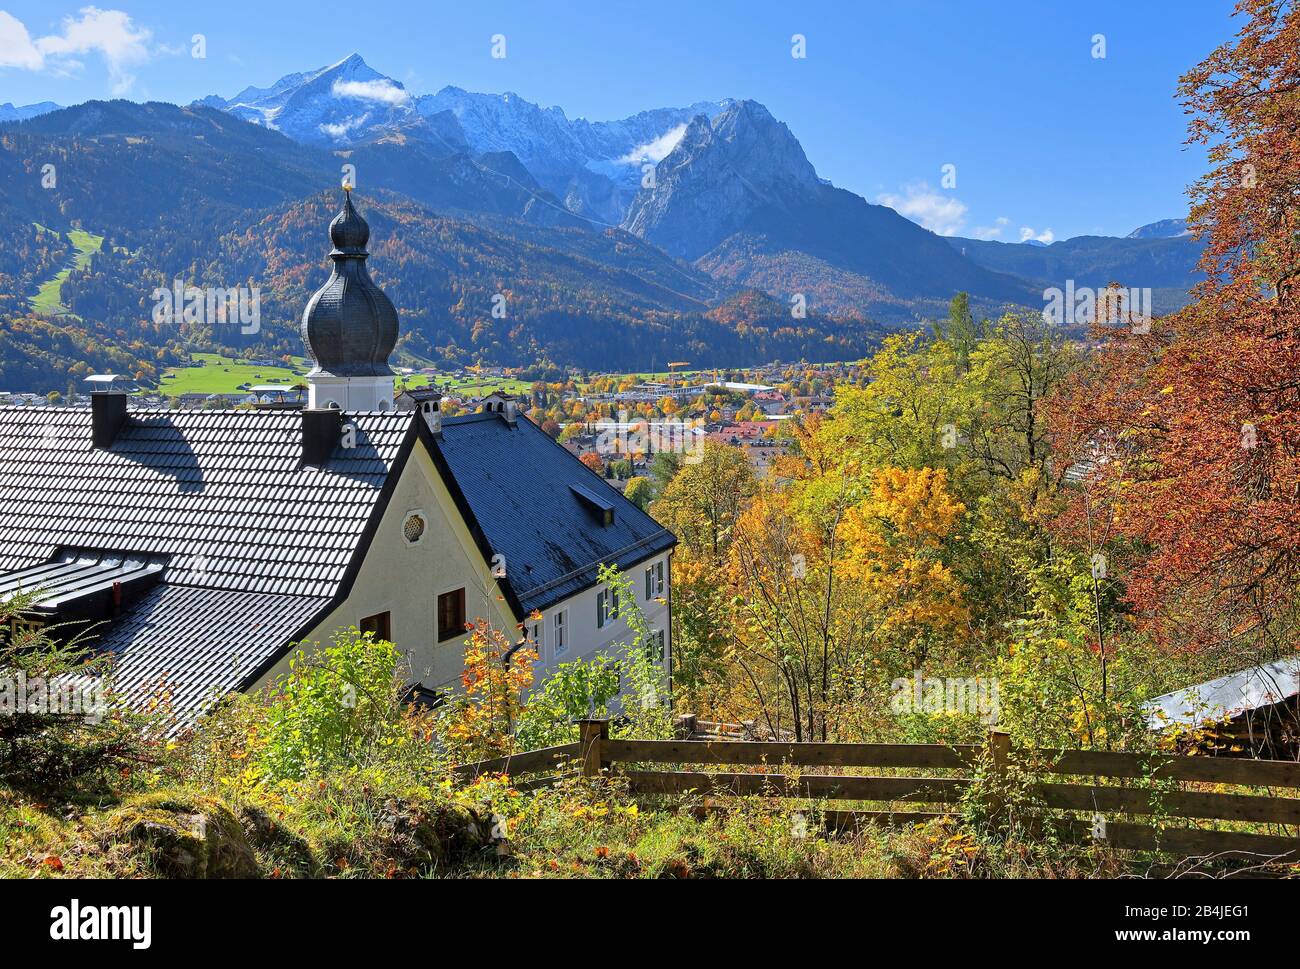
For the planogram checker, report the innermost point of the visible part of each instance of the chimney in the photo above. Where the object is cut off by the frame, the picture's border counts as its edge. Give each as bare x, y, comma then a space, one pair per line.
507, 405
321, 427
107, 415
432, 411
428, 401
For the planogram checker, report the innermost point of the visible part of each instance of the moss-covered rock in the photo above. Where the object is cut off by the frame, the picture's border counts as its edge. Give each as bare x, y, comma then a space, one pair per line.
182, 836
282, 850
437, 834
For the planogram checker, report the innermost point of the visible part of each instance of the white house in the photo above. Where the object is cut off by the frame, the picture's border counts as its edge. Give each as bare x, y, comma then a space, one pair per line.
200, 547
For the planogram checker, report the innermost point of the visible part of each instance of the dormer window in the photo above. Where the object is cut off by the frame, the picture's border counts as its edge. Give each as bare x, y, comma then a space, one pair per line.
595, 502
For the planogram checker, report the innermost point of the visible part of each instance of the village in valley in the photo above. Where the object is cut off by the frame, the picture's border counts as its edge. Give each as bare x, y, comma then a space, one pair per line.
616, 423
407, 482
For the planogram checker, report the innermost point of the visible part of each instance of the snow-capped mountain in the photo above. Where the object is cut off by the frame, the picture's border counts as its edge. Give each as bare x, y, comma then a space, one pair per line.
562, 153
718, 176
340, 105
594, 167
11, 112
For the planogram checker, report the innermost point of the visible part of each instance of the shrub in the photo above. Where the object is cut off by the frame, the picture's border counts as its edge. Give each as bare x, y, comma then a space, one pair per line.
337, 708
86, 740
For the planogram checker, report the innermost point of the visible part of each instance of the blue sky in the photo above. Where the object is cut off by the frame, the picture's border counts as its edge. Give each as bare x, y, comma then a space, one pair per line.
1045, 137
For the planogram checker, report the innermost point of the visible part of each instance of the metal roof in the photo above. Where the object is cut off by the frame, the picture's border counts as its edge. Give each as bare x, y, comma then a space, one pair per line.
521, 491
350, 326
75, 577
1227, 696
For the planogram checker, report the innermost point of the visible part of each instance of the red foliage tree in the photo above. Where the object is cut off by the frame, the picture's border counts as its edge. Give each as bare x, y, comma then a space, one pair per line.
1196, 423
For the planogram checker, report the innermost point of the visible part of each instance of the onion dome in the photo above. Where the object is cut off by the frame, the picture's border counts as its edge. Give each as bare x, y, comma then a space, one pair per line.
349, 325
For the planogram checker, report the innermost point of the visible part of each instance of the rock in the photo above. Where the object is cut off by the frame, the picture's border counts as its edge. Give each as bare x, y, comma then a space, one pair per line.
183, 836
432, 834
286, 850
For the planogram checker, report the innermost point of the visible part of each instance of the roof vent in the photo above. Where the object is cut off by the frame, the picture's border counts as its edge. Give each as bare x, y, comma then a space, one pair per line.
107, 416
321, 431
101, 382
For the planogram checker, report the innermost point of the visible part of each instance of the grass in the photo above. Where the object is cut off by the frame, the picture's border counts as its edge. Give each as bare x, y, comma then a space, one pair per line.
211, 373
223, 375
478, 386
49, 297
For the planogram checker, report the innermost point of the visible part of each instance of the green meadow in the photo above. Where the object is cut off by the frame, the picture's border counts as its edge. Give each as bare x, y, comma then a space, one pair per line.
48, 300
216, 374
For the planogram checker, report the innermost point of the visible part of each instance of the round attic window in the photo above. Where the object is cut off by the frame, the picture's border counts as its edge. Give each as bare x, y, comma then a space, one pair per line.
413, 530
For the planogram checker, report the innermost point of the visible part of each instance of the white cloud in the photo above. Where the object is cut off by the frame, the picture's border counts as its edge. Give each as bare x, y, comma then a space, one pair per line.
109, 33
993, 231
1027, 234
380, 89
340, 130
656, 150
16, 47
942, 214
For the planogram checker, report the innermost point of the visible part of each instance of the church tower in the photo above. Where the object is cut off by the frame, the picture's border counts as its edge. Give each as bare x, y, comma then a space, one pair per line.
350, 326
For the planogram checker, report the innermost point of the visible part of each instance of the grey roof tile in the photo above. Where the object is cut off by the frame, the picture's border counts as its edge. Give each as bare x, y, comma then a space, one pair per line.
177, 650
220, 492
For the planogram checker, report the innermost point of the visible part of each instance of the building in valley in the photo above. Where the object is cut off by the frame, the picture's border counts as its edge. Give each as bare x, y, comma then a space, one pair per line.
200, 547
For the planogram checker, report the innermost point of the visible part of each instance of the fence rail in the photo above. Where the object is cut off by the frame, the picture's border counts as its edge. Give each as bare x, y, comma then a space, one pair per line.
528, 762
775, 771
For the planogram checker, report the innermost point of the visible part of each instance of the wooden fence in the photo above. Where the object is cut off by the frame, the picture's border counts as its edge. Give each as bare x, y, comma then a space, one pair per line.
777, 770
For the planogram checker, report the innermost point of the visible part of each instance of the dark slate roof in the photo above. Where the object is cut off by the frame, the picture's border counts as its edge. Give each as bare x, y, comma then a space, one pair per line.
219, 493
177, 649
518, 486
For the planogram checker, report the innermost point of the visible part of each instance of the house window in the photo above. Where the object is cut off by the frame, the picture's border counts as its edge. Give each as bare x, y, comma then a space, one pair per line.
535, 631
451, 615
381, 625
560, 632
606, 607
654, 581
657, 641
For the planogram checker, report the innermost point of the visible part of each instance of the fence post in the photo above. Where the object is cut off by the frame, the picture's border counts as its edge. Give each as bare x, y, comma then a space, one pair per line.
684, 726
592, 735
1000, 751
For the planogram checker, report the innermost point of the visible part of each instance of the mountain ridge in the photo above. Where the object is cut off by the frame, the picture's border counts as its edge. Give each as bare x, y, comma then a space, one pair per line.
645, 226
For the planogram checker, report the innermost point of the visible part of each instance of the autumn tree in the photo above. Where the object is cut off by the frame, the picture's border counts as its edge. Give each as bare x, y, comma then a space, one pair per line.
835, 592
703, 499
1189, 426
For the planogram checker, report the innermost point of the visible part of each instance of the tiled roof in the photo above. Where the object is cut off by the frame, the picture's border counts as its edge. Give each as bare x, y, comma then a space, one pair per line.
220, 493
179, 647
516, 482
